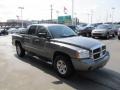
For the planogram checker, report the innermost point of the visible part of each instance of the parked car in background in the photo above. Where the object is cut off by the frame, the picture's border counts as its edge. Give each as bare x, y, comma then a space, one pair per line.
86, 31
119, 33
116, 28
12, 30
21, 31
3, 32
103, 30
74, 28
81, 26
96, 24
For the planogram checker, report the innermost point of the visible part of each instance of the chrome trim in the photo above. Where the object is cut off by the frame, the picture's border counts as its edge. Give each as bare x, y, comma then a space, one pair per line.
100, 52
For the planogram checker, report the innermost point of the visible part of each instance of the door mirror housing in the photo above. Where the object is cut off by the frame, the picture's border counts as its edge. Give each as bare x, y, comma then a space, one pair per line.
44, 35
109, 28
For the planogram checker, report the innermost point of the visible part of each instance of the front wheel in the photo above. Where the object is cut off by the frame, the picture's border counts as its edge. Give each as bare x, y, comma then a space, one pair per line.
113, 35
107, 36
63, 66
87, 35
20, 51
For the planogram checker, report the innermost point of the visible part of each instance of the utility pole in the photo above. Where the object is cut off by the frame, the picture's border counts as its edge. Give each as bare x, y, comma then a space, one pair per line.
91, 16
113, 9
21, 8
72, 12
88, 15
106, 17
17, 20
51, 9
57, 12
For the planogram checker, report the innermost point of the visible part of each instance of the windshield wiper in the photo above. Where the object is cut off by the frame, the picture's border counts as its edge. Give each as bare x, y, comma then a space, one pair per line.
69, 36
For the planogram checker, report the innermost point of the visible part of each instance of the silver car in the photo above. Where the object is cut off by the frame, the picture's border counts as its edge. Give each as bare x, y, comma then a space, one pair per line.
103, 30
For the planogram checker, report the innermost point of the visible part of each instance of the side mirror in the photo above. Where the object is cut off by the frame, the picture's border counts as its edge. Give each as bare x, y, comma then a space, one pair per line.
44, 35
109, 28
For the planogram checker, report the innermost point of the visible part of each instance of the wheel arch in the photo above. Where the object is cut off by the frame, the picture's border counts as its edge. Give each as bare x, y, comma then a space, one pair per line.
60, 53
16, 42
64, 54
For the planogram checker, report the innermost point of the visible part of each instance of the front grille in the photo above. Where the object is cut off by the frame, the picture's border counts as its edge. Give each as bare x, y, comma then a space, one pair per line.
96, 56
98, 52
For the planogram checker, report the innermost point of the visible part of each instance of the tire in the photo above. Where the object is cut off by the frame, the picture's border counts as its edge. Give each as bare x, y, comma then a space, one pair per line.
20, 51
119, 37
87, 35
113, 35
93, 36
63, 66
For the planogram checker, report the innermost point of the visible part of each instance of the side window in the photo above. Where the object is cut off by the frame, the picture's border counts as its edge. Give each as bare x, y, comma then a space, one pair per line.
109, 28
41, 29
32, 30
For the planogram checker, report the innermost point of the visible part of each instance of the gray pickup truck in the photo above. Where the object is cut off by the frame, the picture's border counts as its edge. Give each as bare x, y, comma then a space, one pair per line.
61, 46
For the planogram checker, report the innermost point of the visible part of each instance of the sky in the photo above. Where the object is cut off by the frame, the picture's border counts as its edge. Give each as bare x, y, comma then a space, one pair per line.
100, 10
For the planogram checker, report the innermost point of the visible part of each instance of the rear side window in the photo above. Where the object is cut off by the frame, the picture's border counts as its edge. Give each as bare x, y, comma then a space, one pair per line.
32, 30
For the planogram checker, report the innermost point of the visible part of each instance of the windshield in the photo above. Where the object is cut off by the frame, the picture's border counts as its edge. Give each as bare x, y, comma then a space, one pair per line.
61, 31
103, 27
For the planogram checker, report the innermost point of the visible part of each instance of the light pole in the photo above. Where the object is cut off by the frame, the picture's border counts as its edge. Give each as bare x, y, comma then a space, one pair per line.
21, 8
51, 9
57, 12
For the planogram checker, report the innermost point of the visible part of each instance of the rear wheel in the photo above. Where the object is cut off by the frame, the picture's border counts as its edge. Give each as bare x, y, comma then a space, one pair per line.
20, 51
63, 66
119, 37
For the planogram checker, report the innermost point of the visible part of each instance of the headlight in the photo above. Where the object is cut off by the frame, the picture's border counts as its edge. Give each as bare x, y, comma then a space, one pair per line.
82, 53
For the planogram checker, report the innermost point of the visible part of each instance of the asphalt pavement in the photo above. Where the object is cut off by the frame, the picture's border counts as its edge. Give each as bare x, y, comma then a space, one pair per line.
30, 73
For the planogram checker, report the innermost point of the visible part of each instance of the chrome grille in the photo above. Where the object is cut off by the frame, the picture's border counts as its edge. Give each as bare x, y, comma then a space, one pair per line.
98, 52
96, 56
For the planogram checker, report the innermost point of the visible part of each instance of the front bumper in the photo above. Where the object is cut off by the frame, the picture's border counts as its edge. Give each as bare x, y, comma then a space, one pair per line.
90, 64
99, 34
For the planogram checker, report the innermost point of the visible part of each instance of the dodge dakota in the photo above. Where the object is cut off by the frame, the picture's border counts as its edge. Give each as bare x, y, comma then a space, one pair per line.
61, 46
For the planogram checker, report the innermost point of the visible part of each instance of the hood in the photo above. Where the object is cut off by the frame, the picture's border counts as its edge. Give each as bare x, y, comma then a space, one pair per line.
80, 41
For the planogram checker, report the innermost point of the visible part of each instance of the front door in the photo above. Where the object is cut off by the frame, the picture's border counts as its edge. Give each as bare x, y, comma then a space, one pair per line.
39, 42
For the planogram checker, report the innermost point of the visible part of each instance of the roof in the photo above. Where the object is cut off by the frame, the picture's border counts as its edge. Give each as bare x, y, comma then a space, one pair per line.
47, 25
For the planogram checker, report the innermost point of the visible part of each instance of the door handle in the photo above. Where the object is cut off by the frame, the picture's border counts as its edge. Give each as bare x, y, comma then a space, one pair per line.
36, 40
27, 38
